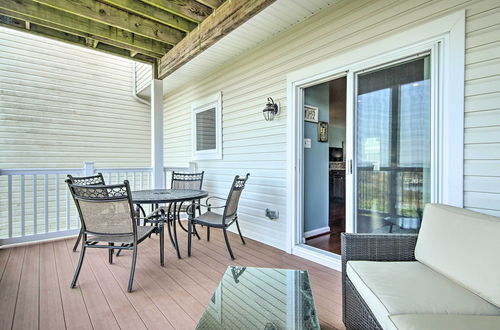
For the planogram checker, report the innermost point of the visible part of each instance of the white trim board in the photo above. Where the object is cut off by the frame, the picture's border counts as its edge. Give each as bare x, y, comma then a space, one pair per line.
446, 37
317, 231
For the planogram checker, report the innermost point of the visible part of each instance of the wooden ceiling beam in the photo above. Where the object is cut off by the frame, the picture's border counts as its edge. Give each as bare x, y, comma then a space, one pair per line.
214, 4
225, 19
33, 12
106, 14
68, 38
189, 9
155, 14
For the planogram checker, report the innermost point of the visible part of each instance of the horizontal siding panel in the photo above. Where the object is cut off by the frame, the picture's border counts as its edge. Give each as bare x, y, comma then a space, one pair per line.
482, 200
482, 167
489, 151
482, 184
483, 118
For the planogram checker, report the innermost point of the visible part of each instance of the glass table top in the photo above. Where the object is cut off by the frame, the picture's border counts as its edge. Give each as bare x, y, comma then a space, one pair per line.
261, 298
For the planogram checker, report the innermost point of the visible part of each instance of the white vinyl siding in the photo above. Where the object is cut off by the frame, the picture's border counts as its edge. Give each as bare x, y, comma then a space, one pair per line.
62, 104
259, 147
143, 76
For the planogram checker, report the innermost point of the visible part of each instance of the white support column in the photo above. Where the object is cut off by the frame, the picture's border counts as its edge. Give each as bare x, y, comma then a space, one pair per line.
157, 133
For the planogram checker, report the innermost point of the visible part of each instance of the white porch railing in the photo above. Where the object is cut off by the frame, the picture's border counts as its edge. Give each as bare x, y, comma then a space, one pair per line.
35, 204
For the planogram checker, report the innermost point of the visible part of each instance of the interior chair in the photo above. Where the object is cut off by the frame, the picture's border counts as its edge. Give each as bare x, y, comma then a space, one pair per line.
172, 212
93, 180
214, 220
107, 215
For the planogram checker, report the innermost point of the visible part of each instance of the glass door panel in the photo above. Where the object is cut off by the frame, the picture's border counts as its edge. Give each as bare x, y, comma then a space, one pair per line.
393, 147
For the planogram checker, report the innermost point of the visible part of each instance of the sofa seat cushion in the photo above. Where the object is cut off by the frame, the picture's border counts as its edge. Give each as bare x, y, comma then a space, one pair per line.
411, 287
443, 321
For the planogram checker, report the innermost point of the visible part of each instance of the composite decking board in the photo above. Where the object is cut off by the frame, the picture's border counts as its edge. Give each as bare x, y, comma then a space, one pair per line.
26, 313
121, 303
74, 308
175, 294
98, 307
9, 287
51, 308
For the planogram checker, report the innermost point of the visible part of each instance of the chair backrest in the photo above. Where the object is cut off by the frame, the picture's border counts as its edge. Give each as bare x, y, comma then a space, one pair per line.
87, 180
187, 180
105, 209
233, 198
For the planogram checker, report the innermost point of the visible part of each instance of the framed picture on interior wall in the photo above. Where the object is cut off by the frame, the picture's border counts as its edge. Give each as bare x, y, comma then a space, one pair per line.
311, 113
322, 131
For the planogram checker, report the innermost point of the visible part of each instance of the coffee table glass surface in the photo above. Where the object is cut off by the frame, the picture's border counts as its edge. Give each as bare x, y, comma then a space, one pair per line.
261, 298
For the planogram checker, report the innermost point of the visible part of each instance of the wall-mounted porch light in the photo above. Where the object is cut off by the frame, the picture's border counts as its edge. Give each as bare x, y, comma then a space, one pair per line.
270, 110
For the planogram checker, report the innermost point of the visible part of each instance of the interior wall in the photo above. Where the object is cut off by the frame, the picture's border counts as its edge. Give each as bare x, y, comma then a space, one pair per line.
316, 162
259, 147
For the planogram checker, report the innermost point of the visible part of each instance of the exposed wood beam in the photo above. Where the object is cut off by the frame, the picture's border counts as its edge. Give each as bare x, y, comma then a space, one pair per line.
155, 14
189, 9
28, 10
225, 19
103, 13
67, 38
214, 4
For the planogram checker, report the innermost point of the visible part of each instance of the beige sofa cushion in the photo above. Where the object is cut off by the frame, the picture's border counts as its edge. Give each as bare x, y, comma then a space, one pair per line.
442, 321
390, 288
464, 246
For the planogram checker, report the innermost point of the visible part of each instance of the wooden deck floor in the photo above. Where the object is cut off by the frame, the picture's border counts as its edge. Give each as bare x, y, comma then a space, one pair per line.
35, 292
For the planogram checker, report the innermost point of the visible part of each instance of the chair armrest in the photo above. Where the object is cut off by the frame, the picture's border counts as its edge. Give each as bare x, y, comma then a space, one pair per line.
190, 211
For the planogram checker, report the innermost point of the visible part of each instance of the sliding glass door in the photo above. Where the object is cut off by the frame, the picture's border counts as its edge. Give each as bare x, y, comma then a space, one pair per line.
392, 146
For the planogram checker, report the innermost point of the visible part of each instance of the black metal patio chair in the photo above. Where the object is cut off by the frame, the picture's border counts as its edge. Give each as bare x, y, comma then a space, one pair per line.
215, 220
94, 180
107, 216
170, 212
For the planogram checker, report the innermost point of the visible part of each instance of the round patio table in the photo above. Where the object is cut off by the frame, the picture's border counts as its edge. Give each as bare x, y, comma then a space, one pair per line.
154, 197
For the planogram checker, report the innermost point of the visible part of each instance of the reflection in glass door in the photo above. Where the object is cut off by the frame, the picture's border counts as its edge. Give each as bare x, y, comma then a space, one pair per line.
393, 147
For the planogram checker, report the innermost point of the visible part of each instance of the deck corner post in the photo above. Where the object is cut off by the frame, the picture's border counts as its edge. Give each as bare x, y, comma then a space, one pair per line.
157, 133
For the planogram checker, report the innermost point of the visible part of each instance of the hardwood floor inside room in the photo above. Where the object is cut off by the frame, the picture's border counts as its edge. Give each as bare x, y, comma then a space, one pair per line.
35, 281
331, 241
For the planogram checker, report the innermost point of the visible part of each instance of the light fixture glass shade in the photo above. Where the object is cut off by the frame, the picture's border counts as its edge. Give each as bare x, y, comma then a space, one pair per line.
270, 110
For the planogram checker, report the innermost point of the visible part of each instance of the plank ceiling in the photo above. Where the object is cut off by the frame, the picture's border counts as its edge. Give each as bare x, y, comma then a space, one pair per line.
167, 33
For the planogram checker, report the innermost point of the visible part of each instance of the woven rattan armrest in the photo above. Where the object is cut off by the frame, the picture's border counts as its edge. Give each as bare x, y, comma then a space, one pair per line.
371, 247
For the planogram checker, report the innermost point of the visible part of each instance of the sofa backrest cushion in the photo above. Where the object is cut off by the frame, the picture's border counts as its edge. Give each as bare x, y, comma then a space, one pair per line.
464, 246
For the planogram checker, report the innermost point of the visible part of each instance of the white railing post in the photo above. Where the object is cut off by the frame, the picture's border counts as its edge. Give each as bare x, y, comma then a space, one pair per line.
157, 133
88, 168
193, 167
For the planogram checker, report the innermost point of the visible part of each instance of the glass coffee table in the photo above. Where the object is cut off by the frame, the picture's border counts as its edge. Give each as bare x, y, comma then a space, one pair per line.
261, 298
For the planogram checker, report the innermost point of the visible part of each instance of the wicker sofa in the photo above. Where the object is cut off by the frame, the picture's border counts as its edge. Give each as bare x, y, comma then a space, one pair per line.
447, 277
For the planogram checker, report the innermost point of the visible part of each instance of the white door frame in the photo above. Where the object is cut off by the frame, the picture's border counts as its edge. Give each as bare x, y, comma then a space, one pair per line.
445, 37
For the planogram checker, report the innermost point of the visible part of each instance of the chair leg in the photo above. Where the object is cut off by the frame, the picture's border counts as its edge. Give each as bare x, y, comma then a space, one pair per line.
79, 267
190, 225
239, 231
227, 243
162, 244
174, 224
132, 269
78, 240
110, 253
196, 232
208, 234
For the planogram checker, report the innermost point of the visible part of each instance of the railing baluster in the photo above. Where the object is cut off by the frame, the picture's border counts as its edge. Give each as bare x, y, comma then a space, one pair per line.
46, 208
109, 178
141, 180
133, 180
23, 208
57, 203
9, 202
68, 213
118, 174
35, 207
